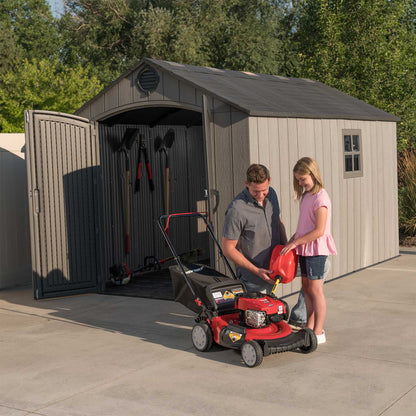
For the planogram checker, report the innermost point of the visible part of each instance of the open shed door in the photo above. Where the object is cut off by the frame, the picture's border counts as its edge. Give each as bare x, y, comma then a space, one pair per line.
65, 203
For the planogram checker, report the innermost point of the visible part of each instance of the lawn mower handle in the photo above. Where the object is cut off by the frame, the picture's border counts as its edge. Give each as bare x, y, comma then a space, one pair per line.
205, 217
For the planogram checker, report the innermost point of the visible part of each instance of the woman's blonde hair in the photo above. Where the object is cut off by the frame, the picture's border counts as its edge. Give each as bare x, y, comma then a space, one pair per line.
307, 166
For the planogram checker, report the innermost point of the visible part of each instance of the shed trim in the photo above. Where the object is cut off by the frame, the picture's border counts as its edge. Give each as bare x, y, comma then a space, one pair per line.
147, 104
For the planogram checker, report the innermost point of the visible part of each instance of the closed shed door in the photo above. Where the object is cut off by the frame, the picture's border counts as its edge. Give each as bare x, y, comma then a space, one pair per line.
65, 203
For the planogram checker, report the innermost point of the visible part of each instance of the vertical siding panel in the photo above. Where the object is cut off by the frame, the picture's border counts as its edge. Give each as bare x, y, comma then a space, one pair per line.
342, 214
332, 177
377, 196
209, 148
111, 98
306, 139
350, 215
394, 209
293, 154
288, 207
125, 90
240, 146
60, 226
323, 143
318, 146
366, 202
170, 89
223, 152
274, 156
284, 176
373, 192
187, 93
253, 139
263, 141
46, 250
357, 184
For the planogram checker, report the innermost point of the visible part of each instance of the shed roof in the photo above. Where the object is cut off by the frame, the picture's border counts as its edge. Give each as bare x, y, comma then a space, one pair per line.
271, 95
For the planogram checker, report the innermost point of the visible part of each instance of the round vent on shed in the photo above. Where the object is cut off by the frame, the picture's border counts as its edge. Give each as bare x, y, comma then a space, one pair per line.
147, 79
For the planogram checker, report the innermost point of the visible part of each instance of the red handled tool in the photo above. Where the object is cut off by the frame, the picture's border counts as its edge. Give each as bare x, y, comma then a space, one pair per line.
143, 149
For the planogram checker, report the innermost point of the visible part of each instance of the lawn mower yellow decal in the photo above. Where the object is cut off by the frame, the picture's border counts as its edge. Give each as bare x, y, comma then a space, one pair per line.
234, 336
228, 295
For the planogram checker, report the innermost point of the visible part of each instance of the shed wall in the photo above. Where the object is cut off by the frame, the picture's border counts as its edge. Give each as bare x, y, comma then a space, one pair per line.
227, 136
364, 209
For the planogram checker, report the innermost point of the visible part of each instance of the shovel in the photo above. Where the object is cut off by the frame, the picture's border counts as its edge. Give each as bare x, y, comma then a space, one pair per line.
162, 145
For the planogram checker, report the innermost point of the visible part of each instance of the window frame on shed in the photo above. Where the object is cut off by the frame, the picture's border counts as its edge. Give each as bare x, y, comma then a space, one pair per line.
353, 152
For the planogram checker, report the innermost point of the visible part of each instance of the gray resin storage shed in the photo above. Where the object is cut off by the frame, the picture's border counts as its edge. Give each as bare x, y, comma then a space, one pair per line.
222, 121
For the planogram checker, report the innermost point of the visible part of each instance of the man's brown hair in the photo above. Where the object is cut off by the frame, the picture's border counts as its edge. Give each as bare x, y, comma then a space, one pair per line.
257, 173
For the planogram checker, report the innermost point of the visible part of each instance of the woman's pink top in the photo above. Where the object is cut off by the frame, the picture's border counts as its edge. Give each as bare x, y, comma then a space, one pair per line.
323, 246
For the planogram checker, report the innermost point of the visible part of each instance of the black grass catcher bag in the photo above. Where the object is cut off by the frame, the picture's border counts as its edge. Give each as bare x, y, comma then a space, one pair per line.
209, 285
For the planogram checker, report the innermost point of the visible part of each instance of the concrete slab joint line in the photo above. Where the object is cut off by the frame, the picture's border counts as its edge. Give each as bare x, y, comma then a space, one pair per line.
397, 401
96, 355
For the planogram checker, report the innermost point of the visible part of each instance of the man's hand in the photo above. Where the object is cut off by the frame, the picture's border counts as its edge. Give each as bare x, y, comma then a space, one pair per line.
264, 274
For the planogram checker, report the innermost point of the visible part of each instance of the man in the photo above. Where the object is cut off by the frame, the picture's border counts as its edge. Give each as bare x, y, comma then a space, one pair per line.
252, 228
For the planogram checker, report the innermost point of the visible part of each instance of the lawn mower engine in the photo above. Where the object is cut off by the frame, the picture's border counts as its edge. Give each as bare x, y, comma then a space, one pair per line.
259, 310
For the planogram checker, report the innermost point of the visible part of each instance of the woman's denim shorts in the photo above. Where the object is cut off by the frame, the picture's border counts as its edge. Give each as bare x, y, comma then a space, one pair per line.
312, 267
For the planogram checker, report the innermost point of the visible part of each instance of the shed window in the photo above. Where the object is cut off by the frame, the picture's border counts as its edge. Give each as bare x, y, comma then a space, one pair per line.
352, 153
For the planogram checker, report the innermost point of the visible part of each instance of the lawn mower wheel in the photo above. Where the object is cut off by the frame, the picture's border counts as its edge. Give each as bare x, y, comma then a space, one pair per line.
252, 354
202, 336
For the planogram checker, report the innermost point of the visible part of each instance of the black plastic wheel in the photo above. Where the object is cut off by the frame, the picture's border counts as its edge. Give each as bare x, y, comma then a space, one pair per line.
313, 341
287, 314
252, 354
202, 336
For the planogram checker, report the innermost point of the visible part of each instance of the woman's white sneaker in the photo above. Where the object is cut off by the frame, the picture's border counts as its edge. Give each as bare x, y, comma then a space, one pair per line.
321, 338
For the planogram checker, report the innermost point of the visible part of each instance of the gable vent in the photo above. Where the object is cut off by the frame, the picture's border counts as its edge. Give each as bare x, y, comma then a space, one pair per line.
147, 79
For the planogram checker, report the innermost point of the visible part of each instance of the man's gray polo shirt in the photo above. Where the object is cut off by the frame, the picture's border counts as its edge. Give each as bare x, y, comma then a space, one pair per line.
256, 229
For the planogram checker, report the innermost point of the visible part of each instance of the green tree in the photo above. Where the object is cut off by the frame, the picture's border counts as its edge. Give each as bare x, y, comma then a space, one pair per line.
234, 34
32, 26
43, 85
10, 51
366, 49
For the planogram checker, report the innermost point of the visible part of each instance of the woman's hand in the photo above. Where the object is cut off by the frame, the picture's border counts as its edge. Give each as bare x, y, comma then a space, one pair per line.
289, 246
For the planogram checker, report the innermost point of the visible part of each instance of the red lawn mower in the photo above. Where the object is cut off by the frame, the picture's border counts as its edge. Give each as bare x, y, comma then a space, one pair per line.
227, 314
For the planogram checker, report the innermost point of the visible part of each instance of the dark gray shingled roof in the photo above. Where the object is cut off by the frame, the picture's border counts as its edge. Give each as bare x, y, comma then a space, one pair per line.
273, 95
267, 95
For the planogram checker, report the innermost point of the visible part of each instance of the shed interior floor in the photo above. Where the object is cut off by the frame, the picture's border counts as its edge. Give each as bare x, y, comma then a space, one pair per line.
153, 284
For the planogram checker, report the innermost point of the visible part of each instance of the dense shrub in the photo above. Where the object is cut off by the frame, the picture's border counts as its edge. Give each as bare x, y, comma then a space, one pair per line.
407, 192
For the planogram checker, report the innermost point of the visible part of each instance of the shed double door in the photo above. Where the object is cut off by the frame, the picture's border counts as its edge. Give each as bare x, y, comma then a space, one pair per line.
65, 203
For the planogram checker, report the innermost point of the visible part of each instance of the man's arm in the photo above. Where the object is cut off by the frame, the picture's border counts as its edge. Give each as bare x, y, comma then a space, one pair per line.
230, 251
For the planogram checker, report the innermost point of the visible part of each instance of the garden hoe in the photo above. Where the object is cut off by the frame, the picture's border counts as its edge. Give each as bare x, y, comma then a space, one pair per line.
125, 146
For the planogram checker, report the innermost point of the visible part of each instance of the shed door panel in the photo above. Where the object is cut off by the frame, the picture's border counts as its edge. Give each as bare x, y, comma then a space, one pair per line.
65, 213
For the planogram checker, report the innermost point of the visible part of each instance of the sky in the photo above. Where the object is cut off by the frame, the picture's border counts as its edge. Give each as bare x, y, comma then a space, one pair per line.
57, 6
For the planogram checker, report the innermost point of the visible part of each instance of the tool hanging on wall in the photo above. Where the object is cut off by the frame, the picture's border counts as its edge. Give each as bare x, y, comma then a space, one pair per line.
143, 149
125, 146
162, 145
